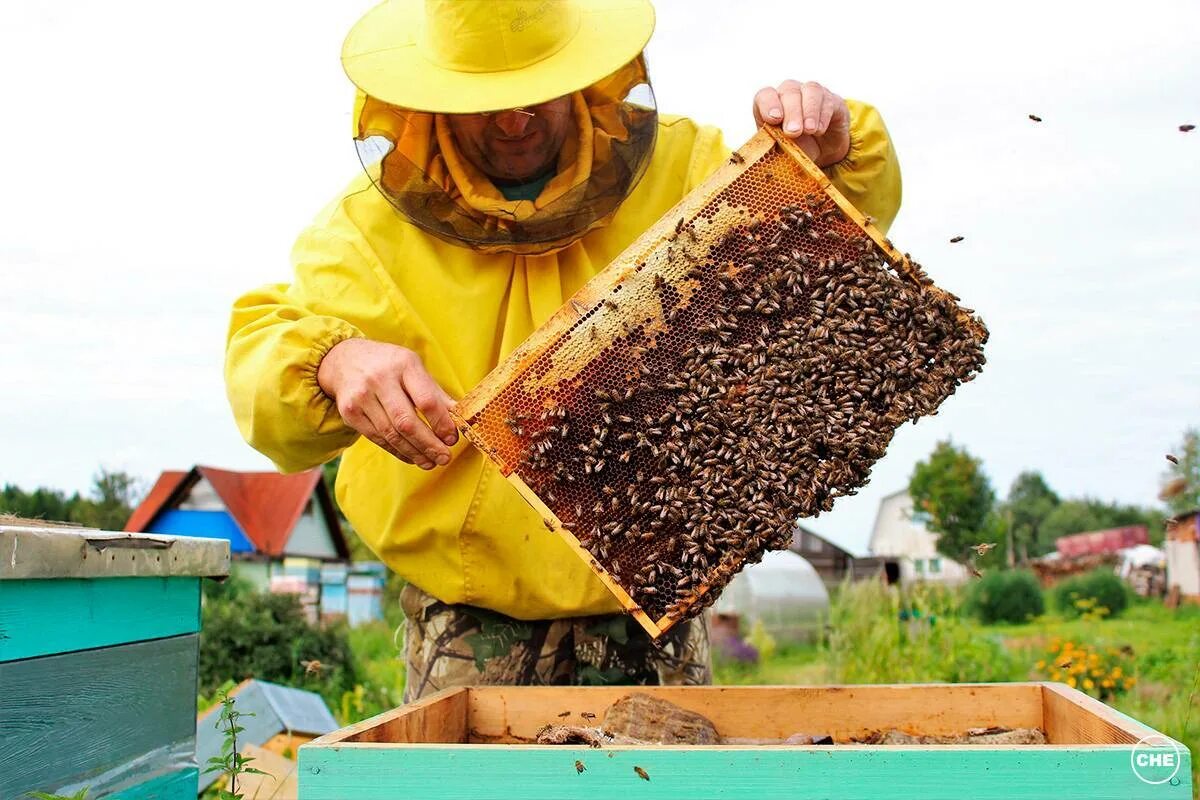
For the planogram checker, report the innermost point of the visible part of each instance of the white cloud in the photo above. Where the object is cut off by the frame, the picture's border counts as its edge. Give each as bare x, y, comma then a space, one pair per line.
158, 159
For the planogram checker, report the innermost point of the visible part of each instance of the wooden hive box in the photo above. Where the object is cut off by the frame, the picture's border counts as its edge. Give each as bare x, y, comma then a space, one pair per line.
468, 743
99, 642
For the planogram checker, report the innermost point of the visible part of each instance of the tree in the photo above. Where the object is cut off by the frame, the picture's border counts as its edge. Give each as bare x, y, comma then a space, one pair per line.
1030, 501
953, 490
1089, 514
1183, 479
112, 499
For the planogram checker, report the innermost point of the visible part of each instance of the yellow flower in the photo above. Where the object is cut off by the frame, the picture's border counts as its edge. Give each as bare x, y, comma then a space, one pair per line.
1107, 683
1071, 682
1129, 682
1116, 672
1056, 676
1087, 683
1041, 664
1096, 673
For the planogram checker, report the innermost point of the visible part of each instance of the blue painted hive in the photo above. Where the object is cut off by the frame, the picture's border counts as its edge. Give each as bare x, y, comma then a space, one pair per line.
99, 642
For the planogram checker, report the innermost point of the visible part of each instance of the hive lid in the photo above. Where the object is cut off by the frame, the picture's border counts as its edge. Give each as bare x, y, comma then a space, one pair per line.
38, 549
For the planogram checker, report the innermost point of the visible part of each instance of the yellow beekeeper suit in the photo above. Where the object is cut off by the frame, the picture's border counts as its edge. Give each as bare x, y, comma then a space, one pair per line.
459, 532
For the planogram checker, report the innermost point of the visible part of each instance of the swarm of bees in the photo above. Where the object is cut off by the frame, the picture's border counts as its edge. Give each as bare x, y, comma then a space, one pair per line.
787, 356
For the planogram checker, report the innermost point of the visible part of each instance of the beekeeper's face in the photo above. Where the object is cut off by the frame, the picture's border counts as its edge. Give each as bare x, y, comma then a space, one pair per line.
514, 145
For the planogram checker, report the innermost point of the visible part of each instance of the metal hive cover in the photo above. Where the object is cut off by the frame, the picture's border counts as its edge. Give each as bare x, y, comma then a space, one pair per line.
740, 365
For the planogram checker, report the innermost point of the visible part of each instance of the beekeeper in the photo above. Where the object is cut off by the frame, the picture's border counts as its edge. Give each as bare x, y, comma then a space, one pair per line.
512, 149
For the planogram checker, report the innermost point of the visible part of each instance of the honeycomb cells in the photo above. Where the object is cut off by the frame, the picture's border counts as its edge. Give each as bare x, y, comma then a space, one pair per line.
748, 369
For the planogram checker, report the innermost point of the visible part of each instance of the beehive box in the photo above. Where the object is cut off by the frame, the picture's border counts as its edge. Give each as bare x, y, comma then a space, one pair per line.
99, 646
469, 744
740, 365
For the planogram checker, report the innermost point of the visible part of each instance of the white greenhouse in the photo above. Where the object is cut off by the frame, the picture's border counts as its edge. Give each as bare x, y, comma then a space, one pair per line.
784, 591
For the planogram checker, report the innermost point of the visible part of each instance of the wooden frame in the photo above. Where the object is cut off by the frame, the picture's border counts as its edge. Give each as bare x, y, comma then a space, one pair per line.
471, 743
625, 268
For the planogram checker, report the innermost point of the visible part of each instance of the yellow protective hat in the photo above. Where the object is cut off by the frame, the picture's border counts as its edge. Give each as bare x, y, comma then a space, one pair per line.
465, 56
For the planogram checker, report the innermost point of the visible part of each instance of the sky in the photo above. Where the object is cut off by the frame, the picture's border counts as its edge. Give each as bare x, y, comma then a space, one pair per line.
158, 159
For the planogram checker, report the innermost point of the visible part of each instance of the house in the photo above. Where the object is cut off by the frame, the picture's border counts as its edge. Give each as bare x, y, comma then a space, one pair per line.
278, 719
900, 533
1183, 555
280, 527
833, 563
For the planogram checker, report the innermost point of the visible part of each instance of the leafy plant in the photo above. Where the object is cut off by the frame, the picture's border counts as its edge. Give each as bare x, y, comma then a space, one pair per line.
80, 795
1008, 596
1098, 594
231, 763
952, 488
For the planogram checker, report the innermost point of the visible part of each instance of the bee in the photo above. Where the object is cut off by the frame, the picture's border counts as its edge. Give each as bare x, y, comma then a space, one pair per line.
564, 714
1035, 118
974, 572
1187, 127
736, 158
641, 773
983, 549
679, 226
579, 767
609, 304
1065, 664
587, 715
313, 667
1172, 459
956, 239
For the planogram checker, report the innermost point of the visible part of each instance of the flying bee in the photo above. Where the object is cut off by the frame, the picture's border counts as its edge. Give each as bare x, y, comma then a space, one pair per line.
1172, 459
313, 667
983, 549
974, 572
1035, 118
579, 767
564, 714
1187, 127
956, 239
641, 773
587, 715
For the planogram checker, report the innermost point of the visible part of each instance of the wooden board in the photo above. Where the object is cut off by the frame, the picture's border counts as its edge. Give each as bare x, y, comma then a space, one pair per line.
433, 772
41, 617
178, 785
99, 718
279, 782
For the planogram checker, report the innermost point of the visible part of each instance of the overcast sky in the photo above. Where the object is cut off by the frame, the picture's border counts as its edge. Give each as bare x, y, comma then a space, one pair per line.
158, 159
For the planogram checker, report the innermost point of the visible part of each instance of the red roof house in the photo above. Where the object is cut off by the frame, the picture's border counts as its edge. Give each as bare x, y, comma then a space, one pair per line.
261, 514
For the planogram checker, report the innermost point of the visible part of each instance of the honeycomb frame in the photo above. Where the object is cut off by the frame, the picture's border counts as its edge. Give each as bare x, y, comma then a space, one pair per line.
550, 365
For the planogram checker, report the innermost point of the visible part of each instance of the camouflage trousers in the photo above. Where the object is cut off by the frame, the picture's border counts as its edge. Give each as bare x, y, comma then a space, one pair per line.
459, 645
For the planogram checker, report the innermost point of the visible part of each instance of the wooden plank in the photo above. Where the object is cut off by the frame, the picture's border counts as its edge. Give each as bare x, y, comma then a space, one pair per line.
99, 717
513, 714
41, 617
178, 785
280, 781
1074, 717
380, 772
441, 717
31, 551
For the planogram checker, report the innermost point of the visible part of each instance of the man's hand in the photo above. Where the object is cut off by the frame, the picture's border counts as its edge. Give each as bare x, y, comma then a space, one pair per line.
379, 388
815, 117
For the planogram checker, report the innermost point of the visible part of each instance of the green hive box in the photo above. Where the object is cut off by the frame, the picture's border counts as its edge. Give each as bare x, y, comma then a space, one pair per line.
474, 744
99, 641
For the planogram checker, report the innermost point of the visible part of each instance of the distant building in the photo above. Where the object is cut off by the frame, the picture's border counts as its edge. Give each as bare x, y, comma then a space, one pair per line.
1183, 555
266, 517
900, 534
833, 563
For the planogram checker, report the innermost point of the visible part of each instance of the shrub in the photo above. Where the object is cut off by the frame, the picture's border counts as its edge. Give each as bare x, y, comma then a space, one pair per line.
1098, 594
1006, 596
248, 634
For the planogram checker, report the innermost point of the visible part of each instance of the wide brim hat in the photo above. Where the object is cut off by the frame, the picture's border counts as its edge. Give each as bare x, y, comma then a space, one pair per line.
467, 56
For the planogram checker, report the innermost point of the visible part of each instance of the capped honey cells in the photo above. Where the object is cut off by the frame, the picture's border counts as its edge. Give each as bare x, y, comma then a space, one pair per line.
741, 366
